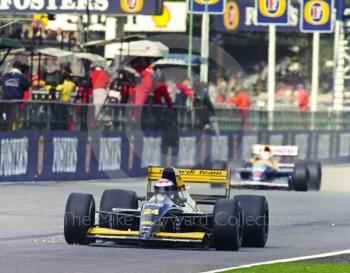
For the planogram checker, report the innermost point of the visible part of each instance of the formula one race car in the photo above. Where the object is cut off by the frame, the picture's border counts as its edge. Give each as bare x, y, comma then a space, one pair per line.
263, 170
169, 214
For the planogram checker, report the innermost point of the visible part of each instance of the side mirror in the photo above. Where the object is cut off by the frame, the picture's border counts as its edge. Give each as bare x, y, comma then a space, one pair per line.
141, 198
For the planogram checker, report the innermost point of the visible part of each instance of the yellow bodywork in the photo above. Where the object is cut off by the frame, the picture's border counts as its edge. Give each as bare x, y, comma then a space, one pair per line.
114, 232
194, 176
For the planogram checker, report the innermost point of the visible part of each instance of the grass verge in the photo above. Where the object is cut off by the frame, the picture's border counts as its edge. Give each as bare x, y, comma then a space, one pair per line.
295, 268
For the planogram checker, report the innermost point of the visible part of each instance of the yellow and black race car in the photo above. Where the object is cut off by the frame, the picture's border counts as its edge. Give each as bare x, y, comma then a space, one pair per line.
170, 214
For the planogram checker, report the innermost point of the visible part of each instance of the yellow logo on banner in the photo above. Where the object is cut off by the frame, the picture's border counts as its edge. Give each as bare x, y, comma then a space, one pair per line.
131, 6
317, 12
272, 8
231, 16
41, 17
206, 2
162, 21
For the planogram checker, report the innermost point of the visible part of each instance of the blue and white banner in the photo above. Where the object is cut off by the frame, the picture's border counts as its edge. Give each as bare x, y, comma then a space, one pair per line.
13, 156
203, 6
317, 16
111, 7
66, 156
240, 15
272, 12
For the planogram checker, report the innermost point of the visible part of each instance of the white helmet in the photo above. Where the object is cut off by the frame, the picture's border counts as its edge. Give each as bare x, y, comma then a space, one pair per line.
164, 186
266, 155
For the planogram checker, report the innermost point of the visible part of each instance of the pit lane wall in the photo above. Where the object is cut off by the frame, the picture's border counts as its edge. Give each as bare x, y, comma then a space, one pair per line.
43, 156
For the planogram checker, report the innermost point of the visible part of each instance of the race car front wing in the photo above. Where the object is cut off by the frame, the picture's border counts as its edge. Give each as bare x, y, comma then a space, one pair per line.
107, 234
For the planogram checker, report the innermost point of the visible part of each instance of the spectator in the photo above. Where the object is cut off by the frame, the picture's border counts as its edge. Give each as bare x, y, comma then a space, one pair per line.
212, 92
161, 92
222, 87
51, 35
242, 100
303, 98
125, 81
15, 83
14, 86
183, 92
220, 99
161, 95
303, 104
142, 91
66, 90
100, 80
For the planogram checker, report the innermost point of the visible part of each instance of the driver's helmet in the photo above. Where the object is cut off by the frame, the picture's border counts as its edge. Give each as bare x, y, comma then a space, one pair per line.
266, 154
164, 186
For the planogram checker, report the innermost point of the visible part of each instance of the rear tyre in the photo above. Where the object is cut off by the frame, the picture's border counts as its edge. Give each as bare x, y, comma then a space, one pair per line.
116, 199
79, 217
315, 175
227, 225
300, 177
256, 220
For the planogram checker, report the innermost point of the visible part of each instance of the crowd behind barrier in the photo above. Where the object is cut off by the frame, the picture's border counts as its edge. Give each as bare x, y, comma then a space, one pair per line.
49, 115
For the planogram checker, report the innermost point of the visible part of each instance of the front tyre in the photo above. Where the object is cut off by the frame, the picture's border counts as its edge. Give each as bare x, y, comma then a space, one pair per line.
227, 225
256, 220
79, 217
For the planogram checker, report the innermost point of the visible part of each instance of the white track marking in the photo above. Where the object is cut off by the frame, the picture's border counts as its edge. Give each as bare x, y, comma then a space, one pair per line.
324, 255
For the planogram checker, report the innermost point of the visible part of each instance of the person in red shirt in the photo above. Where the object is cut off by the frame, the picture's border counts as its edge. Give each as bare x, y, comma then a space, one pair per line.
242, 100
303, 104
100, 81
183, 92
303, 98
142, 91
161, 92
161, 115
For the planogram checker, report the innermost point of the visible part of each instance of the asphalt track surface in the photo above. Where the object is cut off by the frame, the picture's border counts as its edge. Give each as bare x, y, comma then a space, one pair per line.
31, 239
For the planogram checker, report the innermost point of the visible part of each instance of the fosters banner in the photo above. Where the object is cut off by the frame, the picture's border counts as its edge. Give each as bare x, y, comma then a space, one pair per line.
241, 15
317, 16
111, 7
272, 12
43, 156
210, 6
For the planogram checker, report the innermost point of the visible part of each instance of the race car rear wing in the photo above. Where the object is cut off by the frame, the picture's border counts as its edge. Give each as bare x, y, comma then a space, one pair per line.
204, 176
276, 150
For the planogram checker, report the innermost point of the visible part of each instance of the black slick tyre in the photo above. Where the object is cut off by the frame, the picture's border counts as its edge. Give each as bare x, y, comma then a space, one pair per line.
79, 217
256, 220
227, 225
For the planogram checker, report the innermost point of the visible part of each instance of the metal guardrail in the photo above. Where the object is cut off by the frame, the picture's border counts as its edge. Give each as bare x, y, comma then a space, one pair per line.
48, 115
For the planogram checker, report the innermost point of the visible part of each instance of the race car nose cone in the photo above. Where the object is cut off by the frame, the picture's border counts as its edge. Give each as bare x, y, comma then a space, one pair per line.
258, 173
144, 235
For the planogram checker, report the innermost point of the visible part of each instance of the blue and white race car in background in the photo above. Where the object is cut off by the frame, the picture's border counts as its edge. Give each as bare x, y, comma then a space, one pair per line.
275, 167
